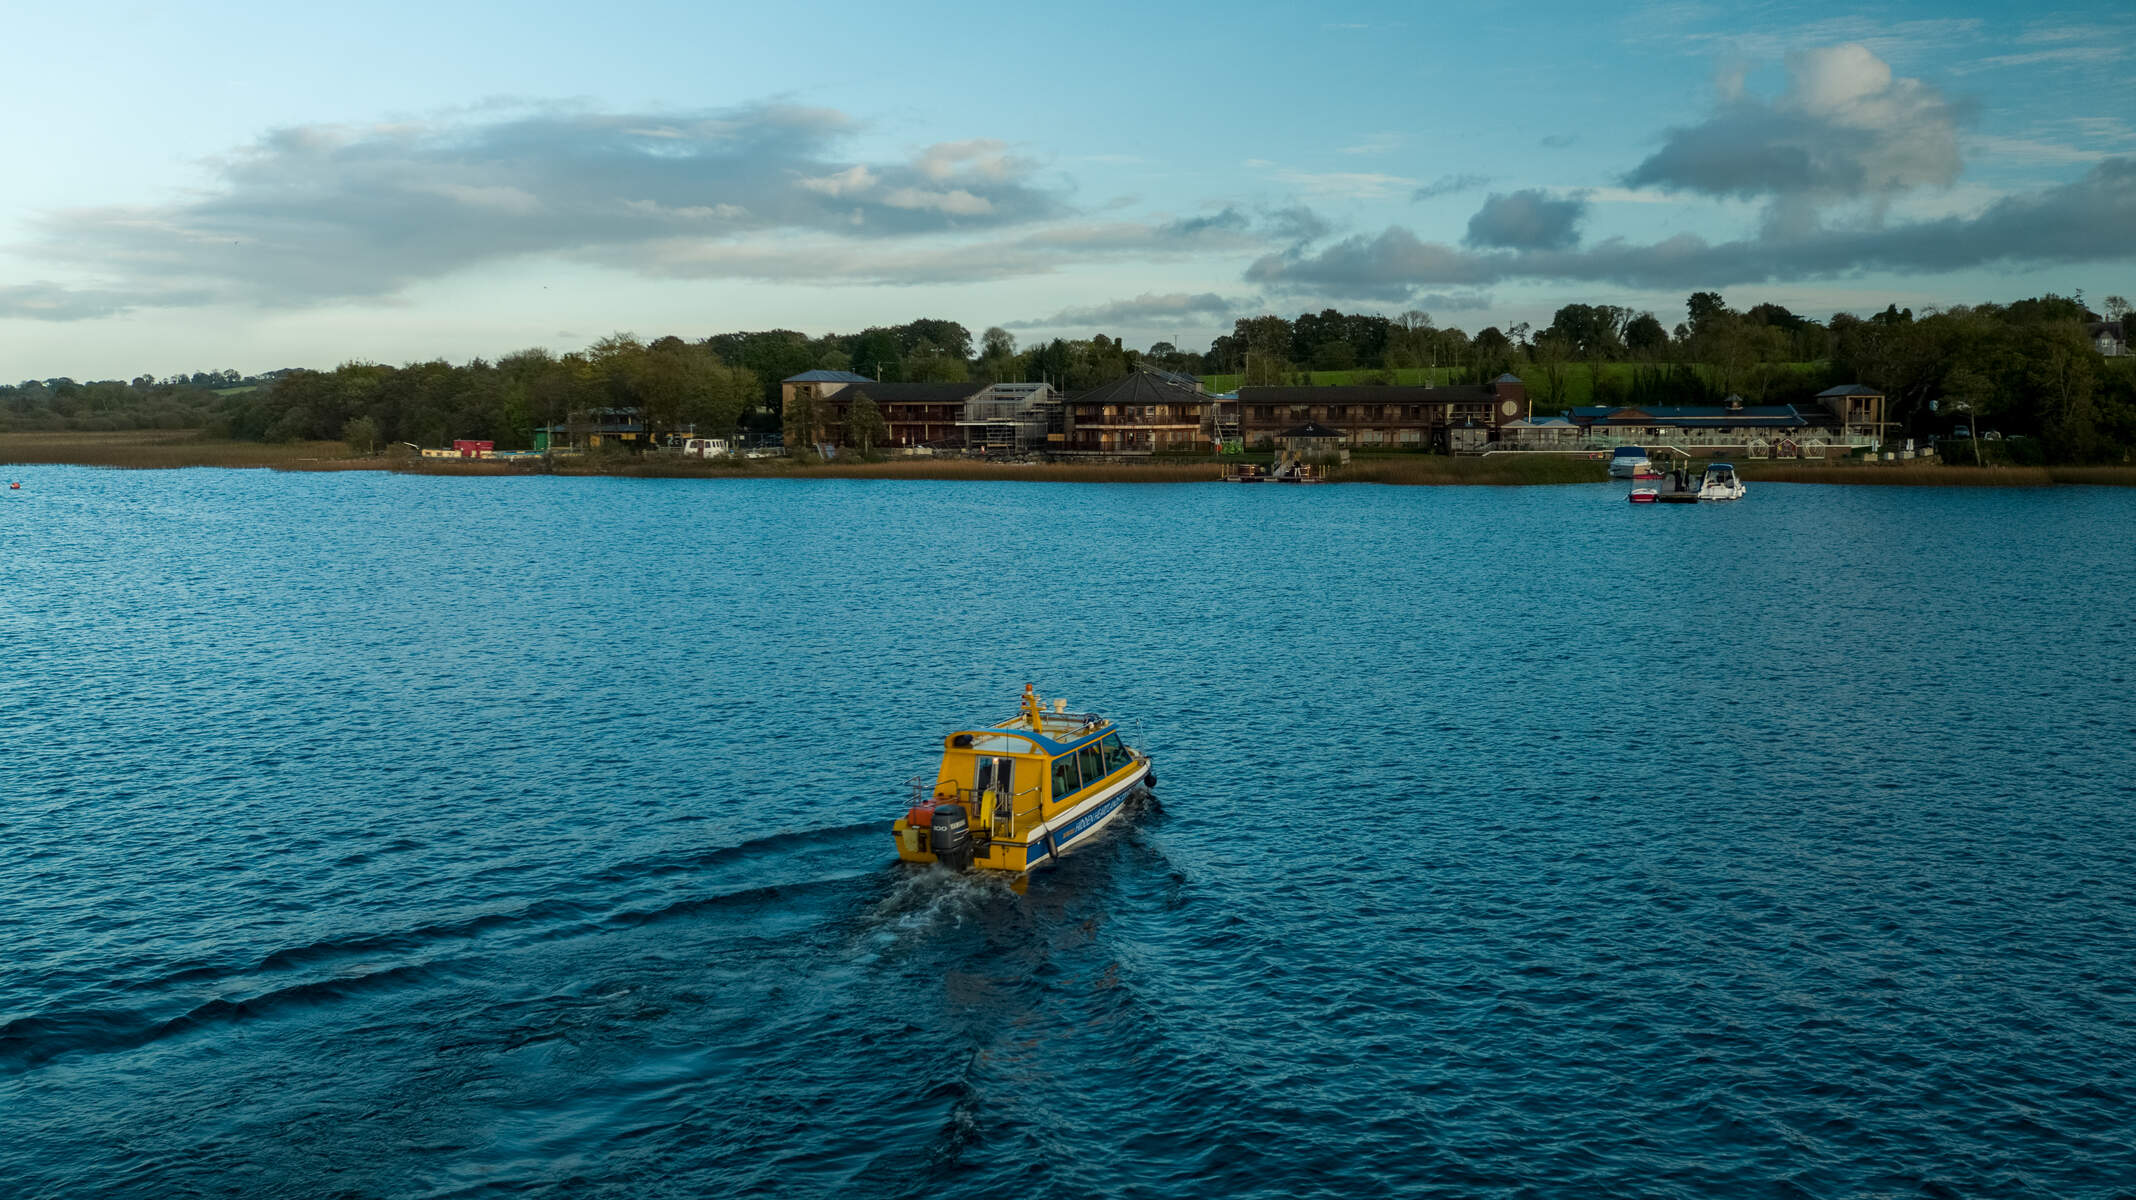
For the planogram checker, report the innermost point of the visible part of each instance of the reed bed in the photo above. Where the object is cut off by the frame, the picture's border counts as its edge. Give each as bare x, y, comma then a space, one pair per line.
1935, 474
150, 449
165, 448
1496, 470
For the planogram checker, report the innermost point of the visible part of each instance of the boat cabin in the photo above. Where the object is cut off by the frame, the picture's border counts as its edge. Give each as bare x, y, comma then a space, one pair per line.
1013, 780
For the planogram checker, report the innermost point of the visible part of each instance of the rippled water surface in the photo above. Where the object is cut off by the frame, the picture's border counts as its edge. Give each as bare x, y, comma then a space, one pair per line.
364, 835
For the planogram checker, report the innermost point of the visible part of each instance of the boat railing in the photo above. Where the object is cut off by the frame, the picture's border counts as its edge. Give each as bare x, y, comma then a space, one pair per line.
986, 809
1060, 724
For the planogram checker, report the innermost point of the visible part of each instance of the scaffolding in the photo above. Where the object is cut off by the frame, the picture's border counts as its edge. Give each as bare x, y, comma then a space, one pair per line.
1010, 418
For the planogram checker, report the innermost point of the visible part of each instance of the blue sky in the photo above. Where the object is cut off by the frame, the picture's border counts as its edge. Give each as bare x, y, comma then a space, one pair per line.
253, 185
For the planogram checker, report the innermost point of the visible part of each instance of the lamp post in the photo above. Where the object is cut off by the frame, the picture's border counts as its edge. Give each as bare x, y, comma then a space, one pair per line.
1972, 428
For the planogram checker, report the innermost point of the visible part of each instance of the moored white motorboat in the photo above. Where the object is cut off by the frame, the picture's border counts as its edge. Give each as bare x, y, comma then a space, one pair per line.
1625, 462
1721, 483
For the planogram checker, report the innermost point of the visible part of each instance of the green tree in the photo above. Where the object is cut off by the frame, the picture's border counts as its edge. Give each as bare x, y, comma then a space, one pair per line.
1265, 342
865, 427
876, 355
1491, 353
802, 420
929, 363
1704, 307
361, 434
1550, 353
2060, 369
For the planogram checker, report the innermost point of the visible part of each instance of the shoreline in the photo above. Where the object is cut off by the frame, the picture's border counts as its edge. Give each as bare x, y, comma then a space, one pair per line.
176, 449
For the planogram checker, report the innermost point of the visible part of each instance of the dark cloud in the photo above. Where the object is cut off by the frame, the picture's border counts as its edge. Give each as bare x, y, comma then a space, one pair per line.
2083, 221
321, 213
1141, 312
1298, 225
1844, 129
1527, 220
1452, 301
1447, 185
891, 262
1229, 220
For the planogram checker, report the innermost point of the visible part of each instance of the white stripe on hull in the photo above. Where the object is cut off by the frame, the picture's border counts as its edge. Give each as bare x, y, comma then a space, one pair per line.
1043, 846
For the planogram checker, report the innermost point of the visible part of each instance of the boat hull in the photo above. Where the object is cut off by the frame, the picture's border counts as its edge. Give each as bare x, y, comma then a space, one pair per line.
1065, 832
1079, 826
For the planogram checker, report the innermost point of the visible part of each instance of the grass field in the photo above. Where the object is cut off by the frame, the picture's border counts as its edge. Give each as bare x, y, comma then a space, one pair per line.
166, 448
1407, 377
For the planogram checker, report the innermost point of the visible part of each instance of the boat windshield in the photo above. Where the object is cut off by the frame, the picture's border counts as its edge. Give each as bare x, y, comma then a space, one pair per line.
998, 743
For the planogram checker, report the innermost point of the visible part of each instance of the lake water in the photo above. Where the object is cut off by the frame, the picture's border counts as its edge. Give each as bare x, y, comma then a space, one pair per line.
368, 835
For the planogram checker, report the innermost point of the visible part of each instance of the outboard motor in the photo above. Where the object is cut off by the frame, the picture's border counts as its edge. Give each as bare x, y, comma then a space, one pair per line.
950, 837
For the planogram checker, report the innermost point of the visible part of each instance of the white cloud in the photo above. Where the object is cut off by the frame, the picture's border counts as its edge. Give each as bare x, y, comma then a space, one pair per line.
1347, 185
1146, 311
1374, 143
2060, 55
1845, 127
325, 213
956, 201
852, 181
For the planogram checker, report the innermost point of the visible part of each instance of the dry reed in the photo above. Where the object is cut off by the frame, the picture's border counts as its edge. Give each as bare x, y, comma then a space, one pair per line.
162, 448
1934, 474
186, 448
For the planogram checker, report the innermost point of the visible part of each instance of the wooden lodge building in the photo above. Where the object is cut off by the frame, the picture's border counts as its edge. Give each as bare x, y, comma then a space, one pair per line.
916, 414
1401, 418
1147, 412
1846, 418
1151, 411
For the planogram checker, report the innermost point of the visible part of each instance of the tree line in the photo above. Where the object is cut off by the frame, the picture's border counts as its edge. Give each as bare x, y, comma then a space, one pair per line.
2029, 367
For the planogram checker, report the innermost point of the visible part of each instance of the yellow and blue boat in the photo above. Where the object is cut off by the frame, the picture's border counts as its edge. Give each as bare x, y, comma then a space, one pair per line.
1016, 795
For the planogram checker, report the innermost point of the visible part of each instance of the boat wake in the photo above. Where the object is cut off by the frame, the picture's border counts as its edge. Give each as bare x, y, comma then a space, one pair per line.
923, 903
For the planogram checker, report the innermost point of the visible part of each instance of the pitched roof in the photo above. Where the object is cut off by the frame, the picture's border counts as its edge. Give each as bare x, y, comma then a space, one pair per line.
1185, 381
1360, 393
1313, 429
1143, 387
826, 377
1848, 389
912, 393
1695, 416
1510, 377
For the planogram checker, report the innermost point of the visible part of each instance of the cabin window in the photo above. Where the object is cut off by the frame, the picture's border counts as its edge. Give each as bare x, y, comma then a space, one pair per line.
1092, 761
1065, 780
1116, 755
